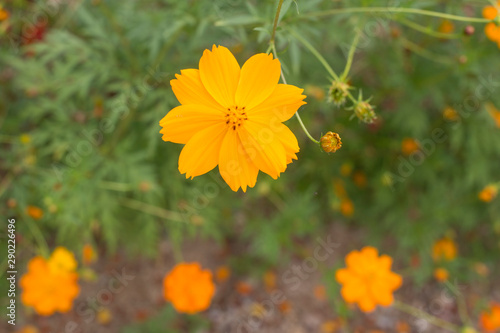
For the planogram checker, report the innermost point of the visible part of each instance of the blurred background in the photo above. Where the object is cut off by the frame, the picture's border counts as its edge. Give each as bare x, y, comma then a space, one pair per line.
83, 85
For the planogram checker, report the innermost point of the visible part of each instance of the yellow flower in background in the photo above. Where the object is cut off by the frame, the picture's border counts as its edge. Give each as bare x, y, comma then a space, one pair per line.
488, 193
46, 290
450, 114
189, 288
315, 91
444, 249
409, 145
490, 320
492, 30
62, 261
346, 207
35, 212
368, 280
25, 138
232, 117
441, 274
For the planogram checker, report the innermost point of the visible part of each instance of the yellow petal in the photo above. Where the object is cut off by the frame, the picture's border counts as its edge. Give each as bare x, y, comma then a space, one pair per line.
201, 153
264, 148
366, 304
258, 79
381, 294
189, 89
492, 31
184, 121
282, 104
235, 165
353, 291
490, 12
220, 74
343, 275
385, 262
286, 137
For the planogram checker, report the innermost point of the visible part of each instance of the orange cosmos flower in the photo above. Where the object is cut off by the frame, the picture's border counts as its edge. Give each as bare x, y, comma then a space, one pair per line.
492, 30
34, 212
88, 254
189, 288
441, 274
232, 117
409, 145
488, 193
368, 279
444, 249
48, 290
490, 320
3, 14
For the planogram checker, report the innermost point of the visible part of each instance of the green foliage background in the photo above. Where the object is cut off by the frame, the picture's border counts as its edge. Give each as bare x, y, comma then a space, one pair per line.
91, 94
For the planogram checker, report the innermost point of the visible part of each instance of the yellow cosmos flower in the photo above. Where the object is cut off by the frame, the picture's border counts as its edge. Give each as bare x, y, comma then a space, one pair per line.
232, 117
492, 30
62, 261
444, 249
368, 280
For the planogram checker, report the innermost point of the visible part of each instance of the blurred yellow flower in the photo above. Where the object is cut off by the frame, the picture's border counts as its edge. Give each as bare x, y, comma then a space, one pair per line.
490, 320
233, 117
104, 316
346, 169
46, 290
492, 30
35, 212
444, 249
488, 193
368, 279
189, 288
315, 91
25, 138
450, 114
409, 145
441, 274
269, 280
62, 261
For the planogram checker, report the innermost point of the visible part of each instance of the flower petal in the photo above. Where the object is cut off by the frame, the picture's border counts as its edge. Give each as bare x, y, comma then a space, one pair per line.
264, 148
184, 121
189, 89
492, 31
201, 153
259, 77
490, 12
282, 104
235, 165
366, 304
220, 74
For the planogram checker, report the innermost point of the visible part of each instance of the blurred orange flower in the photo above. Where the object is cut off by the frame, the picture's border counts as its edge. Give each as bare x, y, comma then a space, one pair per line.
243, 288
368, 280
409, 145
88, 254
450, 113
359, 179
62, 261
446, 27
222, 273
492, 30
488, 193
346, 207
3, 14
34, 212
494, 113
444, 249
441, 274
48, 290
189, 288
490, 320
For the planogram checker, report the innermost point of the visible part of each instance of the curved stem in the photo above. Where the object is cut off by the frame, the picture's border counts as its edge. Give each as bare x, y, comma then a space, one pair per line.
411, 310
276, 19
305, 129
391, 10
351, 55
426, 30
315, 53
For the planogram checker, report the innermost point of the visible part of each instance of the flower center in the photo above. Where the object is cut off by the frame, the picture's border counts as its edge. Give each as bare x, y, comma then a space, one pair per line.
235, 116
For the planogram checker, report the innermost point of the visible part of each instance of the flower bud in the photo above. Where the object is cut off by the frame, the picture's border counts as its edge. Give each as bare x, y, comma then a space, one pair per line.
330, 142
337, 94
469, 30
365, 112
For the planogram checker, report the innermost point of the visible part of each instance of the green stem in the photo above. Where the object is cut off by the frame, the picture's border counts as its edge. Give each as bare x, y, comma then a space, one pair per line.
351, 55
115, 186
390, 10
276, 19
423, 52
462, 305
152, 210
40, 240
315, 53
426, 30
411, 310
